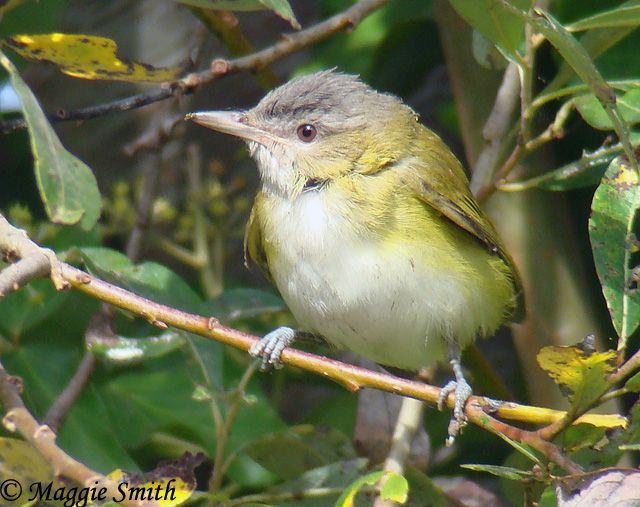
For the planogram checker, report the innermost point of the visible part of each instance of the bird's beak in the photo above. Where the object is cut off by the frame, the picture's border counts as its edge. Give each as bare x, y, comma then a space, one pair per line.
234, 123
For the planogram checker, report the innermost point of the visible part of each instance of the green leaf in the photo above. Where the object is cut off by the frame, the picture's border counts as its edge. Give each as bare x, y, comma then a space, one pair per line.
613, 212
631, 434
156, 397
627, 14
280, 7
548, 498
591, 446
399, 489
121, 350
395, 488
496, 20
105, 260
595, 115
581, 376
595, 42
159, 284
513, 474
67, 186
338, 475
291, 452
88, 57
630, 447
148, 279
585, 172
521, 447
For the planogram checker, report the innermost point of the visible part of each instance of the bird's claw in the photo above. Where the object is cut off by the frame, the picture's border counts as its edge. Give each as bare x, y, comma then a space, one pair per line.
462, 392
270, 348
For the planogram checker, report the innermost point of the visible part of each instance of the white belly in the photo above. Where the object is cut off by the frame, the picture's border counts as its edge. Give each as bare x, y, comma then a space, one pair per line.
385, 303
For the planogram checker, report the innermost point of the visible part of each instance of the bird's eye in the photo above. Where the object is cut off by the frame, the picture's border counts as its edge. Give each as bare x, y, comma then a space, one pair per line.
307, 132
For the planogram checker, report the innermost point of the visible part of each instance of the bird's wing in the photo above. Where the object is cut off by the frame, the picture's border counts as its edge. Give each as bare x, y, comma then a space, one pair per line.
442, 184
253, 245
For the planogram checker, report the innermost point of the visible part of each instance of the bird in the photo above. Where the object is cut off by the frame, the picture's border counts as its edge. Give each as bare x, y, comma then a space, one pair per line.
365, 223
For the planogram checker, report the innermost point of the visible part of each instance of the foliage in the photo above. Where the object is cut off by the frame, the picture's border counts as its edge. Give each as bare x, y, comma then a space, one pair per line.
156, 393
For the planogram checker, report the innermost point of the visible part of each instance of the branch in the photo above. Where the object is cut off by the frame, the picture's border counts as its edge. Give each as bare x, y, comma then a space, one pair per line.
87, 113
349, 376
16, 245
225, 26
61, 407
289, 44
14, 276
408, 424
479, 416
43, 439
495, 130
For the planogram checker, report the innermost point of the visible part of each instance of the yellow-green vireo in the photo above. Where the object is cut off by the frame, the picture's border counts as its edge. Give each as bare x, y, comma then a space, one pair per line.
365, 223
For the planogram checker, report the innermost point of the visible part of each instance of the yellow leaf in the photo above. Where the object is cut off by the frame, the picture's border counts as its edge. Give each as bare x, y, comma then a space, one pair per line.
21, 466
581, 376
88, 57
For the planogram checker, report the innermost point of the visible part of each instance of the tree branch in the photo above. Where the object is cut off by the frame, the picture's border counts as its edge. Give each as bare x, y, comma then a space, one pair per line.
59, 410
226, 27
14, 276
289, 44
43, 439
350, 377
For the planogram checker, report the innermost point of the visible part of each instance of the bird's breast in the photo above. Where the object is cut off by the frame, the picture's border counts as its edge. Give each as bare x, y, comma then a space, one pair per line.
378, 297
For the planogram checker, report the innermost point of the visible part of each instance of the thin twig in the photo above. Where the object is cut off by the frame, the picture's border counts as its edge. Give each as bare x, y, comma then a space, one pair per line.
630, 366
99, 329
15, 244
61, 407
215, 482
19, 274
155, 138
289, 44
150, 184
88, 113
409, 422
210, 258
496, 128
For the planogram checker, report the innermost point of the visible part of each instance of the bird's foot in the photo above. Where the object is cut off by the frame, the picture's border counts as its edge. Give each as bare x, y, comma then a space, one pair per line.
462, 391
271, 346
